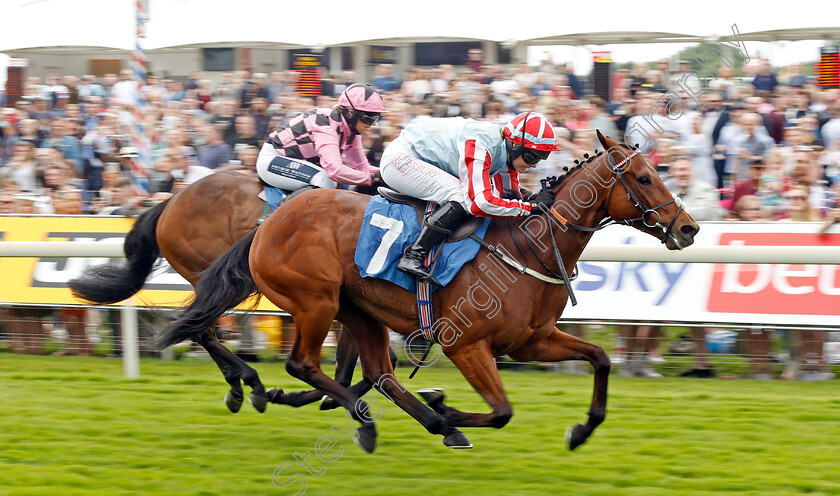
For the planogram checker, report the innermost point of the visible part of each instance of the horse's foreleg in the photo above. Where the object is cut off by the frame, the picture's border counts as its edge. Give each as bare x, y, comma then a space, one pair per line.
475, 361
235, 370
559, 346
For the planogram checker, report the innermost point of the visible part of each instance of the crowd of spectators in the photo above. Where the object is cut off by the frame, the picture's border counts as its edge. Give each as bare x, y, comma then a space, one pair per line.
752, 150
762, 147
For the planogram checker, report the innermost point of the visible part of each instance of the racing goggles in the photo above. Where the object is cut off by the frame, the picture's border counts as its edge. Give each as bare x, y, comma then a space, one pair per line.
369, 118
531, 157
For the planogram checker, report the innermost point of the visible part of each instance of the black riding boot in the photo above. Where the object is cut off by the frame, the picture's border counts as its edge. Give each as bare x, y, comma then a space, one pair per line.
438, 225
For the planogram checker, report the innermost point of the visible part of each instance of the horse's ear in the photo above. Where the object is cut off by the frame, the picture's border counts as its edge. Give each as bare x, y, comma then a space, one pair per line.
602, 139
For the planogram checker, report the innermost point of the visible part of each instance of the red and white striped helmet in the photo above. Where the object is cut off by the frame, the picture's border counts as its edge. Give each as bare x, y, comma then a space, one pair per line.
531, 130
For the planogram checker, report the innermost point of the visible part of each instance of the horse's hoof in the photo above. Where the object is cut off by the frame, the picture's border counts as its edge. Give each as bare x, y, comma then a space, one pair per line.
327, 403
576, 436
233, 400
432, 395
367, 437
457, 440
275, 395
259, 401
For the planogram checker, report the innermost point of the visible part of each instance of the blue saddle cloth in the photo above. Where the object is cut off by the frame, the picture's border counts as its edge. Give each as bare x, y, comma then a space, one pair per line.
388, 229
274, 197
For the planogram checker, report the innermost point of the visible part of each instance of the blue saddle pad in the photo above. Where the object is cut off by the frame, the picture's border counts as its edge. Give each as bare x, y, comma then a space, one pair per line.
388, 229
274, 197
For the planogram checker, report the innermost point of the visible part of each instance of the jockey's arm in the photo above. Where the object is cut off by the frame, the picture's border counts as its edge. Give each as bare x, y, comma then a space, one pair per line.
507, 183
356, 158
330, 154
482, 200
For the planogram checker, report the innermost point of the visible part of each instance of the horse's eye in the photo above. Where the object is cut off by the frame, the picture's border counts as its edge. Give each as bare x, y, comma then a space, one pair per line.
644, 180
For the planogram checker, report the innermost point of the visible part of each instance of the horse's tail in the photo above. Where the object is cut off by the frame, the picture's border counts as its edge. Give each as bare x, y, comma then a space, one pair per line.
112, 283
225, 284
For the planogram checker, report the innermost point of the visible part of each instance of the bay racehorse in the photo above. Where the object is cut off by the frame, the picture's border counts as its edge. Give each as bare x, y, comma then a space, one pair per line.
303, 261
191, 230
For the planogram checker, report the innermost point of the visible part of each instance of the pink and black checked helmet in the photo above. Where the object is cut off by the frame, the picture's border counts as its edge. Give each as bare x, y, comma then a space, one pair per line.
362, 97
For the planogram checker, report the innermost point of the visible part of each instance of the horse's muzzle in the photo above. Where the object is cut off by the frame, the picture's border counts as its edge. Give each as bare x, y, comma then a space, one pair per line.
682, 236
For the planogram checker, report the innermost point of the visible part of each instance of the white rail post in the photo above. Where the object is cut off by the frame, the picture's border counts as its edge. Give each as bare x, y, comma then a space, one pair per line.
130, 347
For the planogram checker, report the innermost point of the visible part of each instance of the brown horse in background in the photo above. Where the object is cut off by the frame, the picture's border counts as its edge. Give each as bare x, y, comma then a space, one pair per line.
191, 230
303, 261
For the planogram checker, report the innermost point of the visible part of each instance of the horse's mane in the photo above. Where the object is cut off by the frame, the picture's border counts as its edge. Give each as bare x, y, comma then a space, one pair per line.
554, 181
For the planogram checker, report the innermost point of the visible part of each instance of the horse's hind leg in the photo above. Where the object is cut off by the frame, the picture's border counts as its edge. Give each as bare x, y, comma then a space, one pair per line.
345, 362
372, 341
234, 369
304, 363
559, 346
234, 397
347, 353
476, 363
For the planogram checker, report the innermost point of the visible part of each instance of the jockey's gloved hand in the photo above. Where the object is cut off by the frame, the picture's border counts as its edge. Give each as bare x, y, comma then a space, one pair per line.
542, 201
510, 194
376, 179
525, 193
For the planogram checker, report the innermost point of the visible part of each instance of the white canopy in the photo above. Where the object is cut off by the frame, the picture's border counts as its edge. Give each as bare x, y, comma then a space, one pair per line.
110, 23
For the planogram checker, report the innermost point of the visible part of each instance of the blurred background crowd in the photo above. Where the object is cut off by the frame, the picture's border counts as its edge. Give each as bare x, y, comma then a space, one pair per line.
763, 146
760, 146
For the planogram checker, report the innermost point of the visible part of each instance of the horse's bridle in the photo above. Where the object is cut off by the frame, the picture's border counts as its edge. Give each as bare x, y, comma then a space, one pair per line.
635, 198
563, 277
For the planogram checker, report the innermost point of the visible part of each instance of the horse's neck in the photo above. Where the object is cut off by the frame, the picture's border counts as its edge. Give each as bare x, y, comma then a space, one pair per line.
580, 199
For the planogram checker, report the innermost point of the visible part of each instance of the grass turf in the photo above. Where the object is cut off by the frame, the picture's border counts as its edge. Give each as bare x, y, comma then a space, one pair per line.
74, 426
